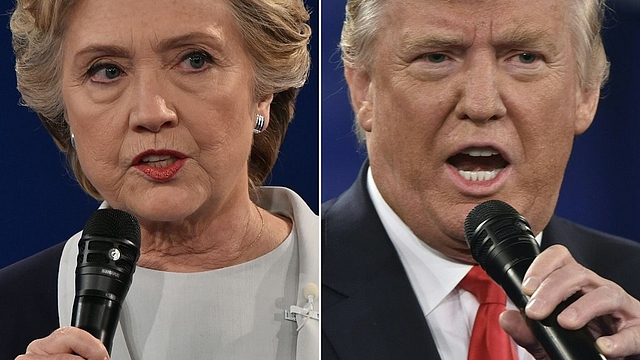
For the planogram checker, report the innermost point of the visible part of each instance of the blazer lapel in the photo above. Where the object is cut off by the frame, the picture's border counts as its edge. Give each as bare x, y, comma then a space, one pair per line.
369, 308
307, 343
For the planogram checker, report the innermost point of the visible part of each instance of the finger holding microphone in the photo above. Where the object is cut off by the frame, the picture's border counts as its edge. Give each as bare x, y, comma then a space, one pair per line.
74, 342
611, 314
502, 243
561, 277
107, 255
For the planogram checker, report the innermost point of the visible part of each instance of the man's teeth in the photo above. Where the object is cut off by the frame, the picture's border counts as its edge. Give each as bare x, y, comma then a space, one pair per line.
480, 152
479, 175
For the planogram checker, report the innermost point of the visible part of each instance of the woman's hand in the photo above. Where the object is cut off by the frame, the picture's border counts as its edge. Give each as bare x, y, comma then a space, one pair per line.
604, 306
74, 342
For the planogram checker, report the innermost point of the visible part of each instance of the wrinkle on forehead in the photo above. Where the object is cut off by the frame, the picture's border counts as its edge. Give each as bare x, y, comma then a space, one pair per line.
461, 26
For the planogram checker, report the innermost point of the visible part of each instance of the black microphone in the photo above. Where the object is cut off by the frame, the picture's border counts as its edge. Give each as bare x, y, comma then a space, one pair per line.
107, 254
502, 243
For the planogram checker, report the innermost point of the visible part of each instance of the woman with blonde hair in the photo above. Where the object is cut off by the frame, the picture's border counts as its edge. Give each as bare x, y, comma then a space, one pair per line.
173, 112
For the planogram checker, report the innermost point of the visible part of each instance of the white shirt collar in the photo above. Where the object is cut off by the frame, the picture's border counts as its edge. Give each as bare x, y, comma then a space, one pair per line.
432, 274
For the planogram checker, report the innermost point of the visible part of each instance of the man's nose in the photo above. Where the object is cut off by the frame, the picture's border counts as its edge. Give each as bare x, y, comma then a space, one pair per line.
480, 96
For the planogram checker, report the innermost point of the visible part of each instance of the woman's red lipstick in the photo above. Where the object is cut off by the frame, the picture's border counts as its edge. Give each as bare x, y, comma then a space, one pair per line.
159, 165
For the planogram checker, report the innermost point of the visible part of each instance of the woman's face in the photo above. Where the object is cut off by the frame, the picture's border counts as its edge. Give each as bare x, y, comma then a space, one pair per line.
158, 94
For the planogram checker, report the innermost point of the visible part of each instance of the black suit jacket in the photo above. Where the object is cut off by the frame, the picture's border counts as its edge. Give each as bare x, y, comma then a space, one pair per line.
369, 310
28, 301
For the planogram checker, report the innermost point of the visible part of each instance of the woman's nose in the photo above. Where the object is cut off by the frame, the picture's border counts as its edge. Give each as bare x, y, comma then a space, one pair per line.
151, 110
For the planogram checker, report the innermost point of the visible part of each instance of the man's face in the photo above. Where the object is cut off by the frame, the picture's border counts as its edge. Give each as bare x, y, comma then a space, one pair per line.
468, 101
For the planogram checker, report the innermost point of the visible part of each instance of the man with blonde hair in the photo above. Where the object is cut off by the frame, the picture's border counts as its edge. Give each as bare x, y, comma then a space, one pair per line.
459, 102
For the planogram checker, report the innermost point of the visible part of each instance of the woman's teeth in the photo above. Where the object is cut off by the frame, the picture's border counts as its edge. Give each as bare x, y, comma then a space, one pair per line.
158, 161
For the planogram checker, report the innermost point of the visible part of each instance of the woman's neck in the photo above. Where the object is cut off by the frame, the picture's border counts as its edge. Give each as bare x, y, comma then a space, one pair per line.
210, 243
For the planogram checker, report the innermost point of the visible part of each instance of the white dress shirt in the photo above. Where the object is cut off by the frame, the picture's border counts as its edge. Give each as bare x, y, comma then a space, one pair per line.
450, 311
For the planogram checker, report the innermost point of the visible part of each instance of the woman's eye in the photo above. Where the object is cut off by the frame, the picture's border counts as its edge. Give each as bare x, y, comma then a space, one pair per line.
197, 60
527, 58
112, 72
104, 72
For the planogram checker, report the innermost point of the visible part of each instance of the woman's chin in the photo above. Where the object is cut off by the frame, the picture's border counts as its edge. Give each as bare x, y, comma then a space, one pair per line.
164, 210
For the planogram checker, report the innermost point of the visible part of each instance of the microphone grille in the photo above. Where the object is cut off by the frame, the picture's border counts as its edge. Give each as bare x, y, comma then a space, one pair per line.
113, 223
484, 212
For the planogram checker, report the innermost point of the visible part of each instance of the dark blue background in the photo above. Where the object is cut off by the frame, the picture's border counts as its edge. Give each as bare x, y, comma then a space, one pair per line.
602, 183
41, 204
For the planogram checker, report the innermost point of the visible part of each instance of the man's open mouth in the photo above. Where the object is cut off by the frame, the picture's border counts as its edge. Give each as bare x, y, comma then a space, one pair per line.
478, 163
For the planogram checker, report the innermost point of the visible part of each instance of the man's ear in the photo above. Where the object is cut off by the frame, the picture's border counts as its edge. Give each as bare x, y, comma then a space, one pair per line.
359, 83
587, 105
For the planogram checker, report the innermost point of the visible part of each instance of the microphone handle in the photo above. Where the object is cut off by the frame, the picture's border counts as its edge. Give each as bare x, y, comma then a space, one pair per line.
561, 343
558, 342
98, 316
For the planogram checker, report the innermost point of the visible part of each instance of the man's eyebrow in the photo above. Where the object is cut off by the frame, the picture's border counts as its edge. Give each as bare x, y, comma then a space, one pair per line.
524, 39
431, 40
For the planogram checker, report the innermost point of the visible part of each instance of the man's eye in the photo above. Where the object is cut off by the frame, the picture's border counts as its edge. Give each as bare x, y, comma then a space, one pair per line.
527, 58
436, 57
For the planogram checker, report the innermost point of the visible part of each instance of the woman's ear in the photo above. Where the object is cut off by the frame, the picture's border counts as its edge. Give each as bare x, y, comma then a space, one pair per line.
264, 108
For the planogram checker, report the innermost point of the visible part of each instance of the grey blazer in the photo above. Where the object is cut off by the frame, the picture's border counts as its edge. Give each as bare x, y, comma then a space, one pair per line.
35, 293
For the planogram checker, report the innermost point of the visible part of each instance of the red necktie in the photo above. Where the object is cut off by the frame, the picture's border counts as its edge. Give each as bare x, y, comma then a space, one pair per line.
488, 340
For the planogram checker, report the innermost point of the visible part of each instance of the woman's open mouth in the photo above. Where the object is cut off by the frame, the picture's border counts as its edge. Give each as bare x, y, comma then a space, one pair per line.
160, 165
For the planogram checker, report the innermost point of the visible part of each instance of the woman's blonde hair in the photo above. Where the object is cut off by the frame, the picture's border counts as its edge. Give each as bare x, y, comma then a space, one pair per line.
275, 33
